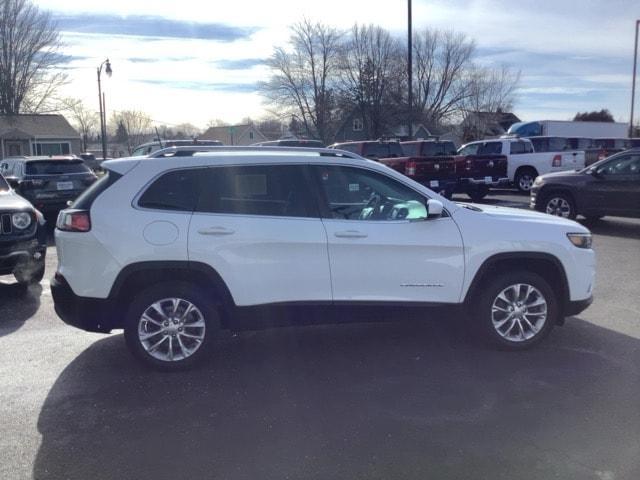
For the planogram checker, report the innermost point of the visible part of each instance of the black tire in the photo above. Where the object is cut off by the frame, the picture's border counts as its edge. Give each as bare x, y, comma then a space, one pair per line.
481, 314
30, 274
476, 194
560, 204
155, 293
524, 179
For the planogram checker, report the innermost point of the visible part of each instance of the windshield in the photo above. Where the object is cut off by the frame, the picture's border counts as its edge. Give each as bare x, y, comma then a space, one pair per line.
56, 167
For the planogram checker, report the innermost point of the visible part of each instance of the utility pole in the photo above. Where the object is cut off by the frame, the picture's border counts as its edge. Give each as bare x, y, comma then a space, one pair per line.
633, 82
410, 73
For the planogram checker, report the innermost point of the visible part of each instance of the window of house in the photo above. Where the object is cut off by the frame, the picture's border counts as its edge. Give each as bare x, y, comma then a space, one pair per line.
357, 125
52, 148
250, 135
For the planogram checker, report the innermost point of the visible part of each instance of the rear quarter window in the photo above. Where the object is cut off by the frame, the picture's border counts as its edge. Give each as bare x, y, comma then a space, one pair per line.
176, 190
86, 198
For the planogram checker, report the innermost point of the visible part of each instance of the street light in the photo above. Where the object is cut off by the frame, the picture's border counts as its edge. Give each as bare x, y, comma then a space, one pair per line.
103, 113
633, 81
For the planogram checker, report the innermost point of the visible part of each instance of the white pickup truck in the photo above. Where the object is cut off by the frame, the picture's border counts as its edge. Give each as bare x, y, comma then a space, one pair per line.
523, 163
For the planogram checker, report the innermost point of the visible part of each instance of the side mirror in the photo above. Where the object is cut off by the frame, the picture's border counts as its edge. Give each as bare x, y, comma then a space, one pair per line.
434, 208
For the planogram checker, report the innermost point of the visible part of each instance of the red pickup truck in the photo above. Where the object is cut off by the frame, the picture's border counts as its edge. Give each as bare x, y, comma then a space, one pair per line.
478, 168
428, 162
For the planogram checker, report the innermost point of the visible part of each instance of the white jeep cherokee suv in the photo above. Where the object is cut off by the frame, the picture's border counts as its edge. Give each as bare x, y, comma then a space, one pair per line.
172, 249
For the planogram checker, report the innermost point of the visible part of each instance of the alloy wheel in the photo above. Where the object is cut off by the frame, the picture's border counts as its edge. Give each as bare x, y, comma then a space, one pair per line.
559, 207
171, 329
519, 312
525, 182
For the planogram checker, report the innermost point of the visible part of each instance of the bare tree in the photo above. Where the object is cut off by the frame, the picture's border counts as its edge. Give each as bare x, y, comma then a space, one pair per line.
217, 122
134, 126
84, 119
271, 126
303, 78
29, 44
490, 92
440, 80
370, 68
186, 130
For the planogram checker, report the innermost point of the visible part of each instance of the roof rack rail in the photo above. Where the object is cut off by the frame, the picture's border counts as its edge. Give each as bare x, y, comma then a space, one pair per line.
191, 150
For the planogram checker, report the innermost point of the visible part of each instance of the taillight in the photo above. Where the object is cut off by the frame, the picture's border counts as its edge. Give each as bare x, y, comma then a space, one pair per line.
410, 169
557, 161
74, 221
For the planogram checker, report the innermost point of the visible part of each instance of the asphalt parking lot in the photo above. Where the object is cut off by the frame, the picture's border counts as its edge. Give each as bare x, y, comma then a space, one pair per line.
402, 398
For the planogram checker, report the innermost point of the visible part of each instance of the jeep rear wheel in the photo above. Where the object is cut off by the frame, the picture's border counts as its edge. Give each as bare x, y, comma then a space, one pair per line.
516, 310
171, 326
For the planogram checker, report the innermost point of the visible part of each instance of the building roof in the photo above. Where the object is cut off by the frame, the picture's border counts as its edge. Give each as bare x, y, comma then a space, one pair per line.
35, 125
504, 119
229, 134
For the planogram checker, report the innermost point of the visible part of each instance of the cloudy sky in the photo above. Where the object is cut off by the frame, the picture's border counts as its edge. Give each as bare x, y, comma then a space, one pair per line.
193, 61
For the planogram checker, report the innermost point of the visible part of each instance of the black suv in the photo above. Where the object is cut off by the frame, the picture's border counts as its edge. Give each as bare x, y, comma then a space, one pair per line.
23, 237
608, 187
47, 182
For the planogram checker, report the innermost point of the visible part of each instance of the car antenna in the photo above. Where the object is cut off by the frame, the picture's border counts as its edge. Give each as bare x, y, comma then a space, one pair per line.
159, 139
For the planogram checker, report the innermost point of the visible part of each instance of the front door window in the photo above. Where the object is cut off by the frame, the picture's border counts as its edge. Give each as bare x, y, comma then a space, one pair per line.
359, 194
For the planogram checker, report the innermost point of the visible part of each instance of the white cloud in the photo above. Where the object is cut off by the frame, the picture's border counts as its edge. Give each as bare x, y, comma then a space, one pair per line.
582, 49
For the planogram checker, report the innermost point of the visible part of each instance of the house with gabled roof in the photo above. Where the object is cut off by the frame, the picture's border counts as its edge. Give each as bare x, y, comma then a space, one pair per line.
35, 134
234, 134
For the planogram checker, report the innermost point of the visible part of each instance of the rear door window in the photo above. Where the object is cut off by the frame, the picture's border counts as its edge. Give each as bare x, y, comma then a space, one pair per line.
376, 150
490, 148
410, 149
518, 147
471, 149
270, 190
53, 167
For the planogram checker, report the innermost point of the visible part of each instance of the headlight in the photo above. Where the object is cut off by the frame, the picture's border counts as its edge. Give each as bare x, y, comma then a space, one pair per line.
537, 181
21, 220
580, 240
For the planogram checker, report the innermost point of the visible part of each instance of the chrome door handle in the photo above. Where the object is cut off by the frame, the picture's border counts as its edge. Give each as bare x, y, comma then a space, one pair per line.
350, 234
216, 231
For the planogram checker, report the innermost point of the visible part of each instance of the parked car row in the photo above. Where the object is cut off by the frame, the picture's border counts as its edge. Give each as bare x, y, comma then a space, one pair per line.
472, 169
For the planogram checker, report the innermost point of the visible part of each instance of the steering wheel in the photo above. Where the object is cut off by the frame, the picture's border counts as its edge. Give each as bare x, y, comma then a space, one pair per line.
370, 208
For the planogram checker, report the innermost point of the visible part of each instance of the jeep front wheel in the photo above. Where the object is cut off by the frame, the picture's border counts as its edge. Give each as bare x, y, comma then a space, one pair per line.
171, 326
517, 310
